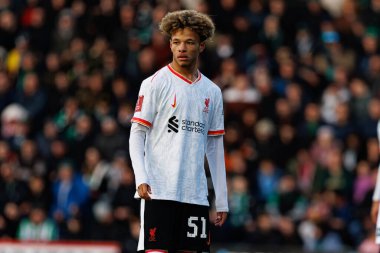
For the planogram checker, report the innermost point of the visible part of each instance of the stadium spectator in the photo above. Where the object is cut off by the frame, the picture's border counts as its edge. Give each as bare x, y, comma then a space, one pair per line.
110, 139
37, 227
12, 200
69, 203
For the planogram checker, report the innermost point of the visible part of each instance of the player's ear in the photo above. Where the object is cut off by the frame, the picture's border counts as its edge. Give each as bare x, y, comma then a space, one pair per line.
202, 46
171, 44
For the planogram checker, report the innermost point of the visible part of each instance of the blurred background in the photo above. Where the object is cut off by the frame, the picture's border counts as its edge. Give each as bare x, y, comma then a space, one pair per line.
301, 86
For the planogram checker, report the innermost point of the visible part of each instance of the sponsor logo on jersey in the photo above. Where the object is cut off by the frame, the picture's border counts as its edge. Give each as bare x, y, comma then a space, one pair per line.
185, 125
175, 102
173, 124
139, 104
207, 103
152, 234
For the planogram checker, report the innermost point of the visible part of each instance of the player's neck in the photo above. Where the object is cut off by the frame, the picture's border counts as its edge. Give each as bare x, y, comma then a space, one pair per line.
190, 72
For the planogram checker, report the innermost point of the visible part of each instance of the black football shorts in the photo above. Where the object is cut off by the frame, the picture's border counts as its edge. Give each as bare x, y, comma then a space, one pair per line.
170, 226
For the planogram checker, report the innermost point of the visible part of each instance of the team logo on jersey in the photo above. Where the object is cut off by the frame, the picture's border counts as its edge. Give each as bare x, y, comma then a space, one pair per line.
175, 102
173, 124
152, 234
207, 103
139, 104
185, 125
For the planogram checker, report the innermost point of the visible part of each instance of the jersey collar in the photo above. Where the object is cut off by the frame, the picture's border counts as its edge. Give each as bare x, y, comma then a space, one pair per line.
184, 78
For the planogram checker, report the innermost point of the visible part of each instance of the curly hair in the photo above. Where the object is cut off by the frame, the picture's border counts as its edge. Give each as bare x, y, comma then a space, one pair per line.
196, 21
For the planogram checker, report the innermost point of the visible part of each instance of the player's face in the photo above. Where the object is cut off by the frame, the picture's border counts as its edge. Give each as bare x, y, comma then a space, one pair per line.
186, 47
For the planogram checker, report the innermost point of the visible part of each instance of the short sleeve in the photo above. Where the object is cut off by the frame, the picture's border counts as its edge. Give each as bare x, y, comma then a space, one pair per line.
217, 118
146, 106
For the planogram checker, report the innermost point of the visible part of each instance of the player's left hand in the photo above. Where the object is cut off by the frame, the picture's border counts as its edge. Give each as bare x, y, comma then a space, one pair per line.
220, 218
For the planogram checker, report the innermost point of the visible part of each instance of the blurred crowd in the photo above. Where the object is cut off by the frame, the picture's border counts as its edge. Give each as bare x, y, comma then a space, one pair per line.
301, 85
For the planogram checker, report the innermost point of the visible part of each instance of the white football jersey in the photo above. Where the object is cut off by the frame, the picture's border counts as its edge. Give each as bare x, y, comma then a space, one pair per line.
180, 114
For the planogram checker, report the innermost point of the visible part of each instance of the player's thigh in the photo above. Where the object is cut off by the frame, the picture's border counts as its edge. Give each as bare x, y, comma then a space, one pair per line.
194, 231
159, 225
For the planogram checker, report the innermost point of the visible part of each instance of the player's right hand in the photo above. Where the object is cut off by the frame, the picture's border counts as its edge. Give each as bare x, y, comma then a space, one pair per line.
144, 191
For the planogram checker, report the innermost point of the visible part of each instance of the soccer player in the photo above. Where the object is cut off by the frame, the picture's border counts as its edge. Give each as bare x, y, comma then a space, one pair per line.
178, 120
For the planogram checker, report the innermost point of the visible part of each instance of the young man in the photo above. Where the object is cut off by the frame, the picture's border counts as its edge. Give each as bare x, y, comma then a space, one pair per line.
178, 119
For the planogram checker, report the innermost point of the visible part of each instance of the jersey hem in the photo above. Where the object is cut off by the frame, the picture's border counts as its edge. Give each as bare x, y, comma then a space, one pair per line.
180, 201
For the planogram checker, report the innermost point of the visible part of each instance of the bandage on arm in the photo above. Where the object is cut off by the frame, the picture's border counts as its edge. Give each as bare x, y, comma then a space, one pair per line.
136, 151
